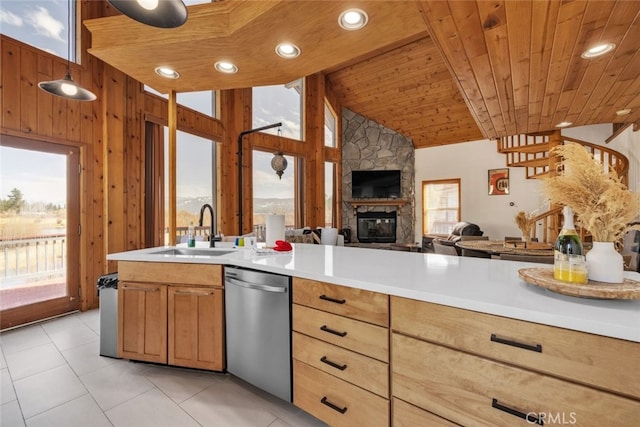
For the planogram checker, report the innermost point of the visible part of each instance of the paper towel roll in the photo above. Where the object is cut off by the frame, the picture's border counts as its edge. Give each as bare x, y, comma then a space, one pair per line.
329, 236
275, 230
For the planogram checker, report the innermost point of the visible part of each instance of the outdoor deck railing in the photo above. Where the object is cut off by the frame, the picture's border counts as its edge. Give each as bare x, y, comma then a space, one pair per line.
33, 256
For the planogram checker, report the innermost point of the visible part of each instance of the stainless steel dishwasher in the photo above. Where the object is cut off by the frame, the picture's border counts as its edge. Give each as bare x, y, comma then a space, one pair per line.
258, 329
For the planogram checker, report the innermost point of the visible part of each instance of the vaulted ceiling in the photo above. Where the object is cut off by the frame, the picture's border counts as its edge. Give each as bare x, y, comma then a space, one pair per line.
439, 72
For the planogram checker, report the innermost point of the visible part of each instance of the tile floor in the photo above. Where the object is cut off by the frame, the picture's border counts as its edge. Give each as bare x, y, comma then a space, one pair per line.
51, 374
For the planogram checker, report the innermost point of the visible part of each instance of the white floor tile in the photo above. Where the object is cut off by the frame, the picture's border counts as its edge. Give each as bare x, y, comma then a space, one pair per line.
91, 318
46, 390
226, 404
116, 383
80, 412
23, 338
10, 415
85, 358
63, 381
32, 361
7, 394
180, 384
72, 336
61, 323
152, 409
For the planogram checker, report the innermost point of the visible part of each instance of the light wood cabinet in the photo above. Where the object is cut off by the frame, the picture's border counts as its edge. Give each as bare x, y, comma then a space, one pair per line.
341, 354
142, 321
196, 330
171, 313
476, 369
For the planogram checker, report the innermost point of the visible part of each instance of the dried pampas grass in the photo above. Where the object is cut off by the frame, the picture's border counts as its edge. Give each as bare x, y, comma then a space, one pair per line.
523, 221
603, 205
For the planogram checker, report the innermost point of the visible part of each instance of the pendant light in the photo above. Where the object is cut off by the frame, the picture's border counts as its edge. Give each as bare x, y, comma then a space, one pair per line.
279, 162
157, 13
66, 87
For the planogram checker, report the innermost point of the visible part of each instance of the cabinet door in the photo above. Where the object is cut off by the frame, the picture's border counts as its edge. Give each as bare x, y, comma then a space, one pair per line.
196, 327
142, 321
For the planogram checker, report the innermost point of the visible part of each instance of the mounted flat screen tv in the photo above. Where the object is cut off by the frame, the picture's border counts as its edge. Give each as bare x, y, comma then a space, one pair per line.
375, 184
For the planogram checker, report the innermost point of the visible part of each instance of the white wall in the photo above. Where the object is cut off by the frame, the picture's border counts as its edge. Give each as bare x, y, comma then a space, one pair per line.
470, 161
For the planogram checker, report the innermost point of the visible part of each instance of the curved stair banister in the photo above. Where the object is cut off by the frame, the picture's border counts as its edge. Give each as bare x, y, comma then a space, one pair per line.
531, 151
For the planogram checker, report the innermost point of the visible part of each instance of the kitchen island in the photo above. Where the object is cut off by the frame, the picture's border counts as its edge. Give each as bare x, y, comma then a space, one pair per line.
498, 349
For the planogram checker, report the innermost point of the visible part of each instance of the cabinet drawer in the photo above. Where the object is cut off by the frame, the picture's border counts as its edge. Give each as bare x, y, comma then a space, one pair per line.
360, 337
590, 359
472, 390
358, 304
336, 402
171, 273
407, 415
355, 368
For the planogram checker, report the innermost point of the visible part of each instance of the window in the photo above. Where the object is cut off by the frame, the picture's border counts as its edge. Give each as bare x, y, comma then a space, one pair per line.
329, 126
440, 205
281, 103
203, 102
329, 173
40, 23
272, 195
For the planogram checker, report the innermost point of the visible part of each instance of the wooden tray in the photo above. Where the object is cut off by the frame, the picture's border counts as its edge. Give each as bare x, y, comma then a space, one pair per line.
543, 277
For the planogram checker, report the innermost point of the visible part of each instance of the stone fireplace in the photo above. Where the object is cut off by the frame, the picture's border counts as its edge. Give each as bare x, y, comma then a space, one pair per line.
367, 145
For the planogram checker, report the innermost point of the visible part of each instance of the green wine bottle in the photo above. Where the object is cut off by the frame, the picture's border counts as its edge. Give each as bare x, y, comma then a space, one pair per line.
567, 245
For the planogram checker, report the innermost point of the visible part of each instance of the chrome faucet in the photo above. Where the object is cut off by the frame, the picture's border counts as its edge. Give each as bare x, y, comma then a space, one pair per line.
212, 232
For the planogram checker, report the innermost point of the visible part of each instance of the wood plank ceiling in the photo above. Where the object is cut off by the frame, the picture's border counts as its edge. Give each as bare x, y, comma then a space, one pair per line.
439, 72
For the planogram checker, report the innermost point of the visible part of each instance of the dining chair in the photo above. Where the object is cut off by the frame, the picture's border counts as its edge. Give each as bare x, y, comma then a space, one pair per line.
542, 259
441, 249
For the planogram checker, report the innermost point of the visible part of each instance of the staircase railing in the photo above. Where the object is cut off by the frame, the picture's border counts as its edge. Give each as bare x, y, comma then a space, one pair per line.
532, 152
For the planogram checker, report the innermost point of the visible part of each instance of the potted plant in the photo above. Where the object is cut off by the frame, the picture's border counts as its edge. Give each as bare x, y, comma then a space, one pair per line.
602, 203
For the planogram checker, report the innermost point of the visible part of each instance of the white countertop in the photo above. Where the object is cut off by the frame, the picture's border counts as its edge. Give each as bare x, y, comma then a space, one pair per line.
478, 284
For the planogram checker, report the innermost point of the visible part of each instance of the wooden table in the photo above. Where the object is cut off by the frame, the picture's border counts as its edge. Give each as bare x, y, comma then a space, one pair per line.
497, 247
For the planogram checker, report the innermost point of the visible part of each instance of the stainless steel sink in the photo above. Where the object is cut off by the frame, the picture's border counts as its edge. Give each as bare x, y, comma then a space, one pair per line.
191, 252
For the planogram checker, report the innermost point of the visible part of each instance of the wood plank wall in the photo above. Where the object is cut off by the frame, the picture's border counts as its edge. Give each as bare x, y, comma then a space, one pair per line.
110, 135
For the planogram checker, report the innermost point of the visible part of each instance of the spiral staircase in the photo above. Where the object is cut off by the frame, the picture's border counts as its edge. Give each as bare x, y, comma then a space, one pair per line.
532, 152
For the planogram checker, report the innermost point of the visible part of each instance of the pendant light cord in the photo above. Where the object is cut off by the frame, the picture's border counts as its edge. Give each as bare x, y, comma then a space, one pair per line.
69, 37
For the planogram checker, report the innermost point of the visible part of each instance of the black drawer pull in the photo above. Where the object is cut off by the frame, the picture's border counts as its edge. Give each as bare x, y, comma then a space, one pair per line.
324, 359
337, 301
331, 331
324, 401
536, 348
529, 418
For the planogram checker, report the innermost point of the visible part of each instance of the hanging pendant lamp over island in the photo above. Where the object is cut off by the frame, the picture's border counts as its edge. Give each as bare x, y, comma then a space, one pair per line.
66, 87
157, 13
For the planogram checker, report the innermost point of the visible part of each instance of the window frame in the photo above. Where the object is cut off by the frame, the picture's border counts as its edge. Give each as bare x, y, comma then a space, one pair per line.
425, 209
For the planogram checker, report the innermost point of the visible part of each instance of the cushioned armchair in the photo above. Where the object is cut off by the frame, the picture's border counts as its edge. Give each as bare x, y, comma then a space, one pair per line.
460, 229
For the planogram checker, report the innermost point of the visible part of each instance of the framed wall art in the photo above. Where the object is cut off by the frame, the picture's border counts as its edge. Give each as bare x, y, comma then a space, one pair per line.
498, 181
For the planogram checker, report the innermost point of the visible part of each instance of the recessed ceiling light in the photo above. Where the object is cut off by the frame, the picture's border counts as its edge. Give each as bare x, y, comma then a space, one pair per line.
353, 19
598, 50
288, 50
623, 112
563, 124
226, 67
167, 73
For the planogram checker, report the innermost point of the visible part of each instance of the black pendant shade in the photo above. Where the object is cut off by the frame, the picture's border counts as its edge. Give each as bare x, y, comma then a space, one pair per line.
157, 13
67, 88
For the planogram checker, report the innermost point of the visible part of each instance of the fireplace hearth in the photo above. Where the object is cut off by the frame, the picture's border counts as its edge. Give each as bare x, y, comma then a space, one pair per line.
376, 227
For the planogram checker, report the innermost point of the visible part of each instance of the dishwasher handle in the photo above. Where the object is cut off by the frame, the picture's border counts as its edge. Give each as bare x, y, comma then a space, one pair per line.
266, 288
